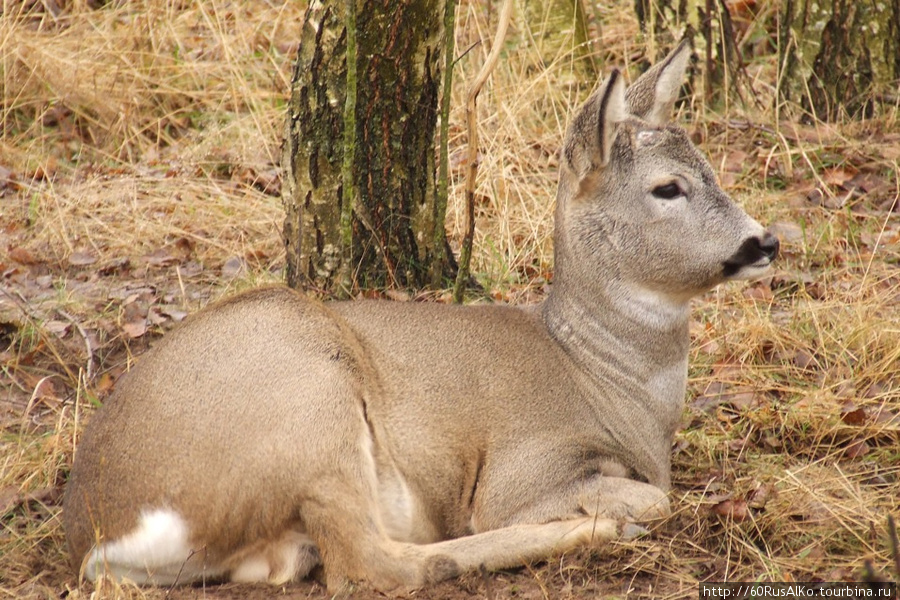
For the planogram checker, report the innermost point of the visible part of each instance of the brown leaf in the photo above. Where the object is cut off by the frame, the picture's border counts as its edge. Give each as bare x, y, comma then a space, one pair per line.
787, 232
11, 498
114, 266
857, 448
803, 359
156, 316
105, 383
185, 246
886, 416
759, 292
743, 400
851, 414
737, 446
233, 267
82, 259
135, 329
772, 441
160, 258
761, 495
397, 295
22, 256
736, 161
869, 183
58, 328
838, 176
733, 509
256, 254
8, 179
173, 313
42, 387
269, 182
710, 398
709, 347
846, 389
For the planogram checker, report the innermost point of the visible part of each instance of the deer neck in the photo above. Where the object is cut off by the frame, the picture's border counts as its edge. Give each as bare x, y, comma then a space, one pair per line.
613, 323
630, 346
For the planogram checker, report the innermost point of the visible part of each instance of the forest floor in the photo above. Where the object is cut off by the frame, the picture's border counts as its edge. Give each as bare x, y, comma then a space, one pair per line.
139, 180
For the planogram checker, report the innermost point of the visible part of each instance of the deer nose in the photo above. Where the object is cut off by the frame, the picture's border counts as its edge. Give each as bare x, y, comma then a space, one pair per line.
768, 245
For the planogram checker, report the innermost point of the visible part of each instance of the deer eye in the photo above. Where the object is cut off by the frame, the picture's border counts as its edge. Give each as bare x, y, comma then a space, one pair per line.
668, 191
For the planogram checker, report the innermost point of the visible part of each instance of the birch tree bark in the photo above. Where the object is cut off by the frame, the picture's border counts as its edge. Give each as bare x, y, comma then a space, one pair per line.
359, 159
839, 57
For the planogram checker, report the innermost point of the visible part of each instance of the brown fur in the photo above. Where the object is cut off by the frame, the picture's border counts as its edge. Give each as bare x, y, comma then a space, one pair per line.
407, 443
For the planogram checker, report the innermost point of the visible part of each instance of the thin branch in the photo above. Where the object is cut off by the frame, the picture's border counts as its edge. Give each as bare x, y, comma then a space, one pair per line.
465, 255
348, 185
443, 184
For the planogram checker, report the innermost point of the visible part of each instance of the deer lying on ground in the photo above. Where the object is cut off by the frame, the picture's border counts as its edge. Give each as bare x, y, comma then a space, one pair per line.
399, 444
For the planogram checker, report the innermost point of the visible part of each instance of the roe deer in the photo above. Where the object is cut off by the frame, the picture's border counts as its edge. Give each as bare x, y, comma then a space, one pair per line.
399, 444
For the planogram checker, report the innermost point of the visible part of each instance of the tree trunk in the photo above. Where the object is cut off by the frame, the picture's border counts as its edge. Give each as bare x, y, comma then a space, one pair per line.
660, 18
838, 55
561, 27
359, 160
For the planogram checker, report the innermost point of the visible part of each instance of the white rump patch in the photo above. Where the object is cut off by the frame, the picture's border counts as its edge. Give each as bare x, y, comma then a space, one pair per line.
156, 552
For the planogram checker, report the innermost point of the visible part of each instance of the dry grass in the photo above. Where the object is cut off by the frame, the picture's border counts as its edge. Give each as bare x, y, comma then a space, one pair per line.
138, 177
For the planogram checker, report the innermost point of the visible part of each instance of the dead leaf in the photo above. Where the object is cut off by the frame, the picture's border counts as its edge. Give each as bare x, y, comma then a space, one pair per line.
868, 183
11, 498
256, 255
42, 387
135, 329
397, 295
22, 256
857, 448
815, 196
173, 313
772, 441
734, 510
762, 293
886, 416
57, 328
155, 316
105, 383
82, 259
738, 445
711, 397
113, 267
803, 359
160, 258
787, 232
761, 496
838, 176
269, 182
845, 389
727, 180
185, 246
852, 414
233, 267
736, 161
743, 400
8, 179
709, 347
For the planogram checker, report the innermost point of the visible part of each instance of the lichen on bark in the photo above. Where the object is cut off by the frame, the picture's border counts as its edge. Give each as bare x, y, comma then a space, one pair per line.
838, 56
399, 59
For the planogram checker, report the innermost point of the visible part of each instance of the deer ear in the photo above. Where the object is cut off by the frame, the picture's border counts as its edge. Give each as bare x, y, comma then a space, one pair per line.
593, 130
652, 97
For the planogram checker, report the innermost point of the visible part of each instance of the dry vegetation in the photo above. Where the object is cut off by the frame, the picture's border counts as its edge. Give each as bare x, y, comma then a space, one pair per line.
138, 181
